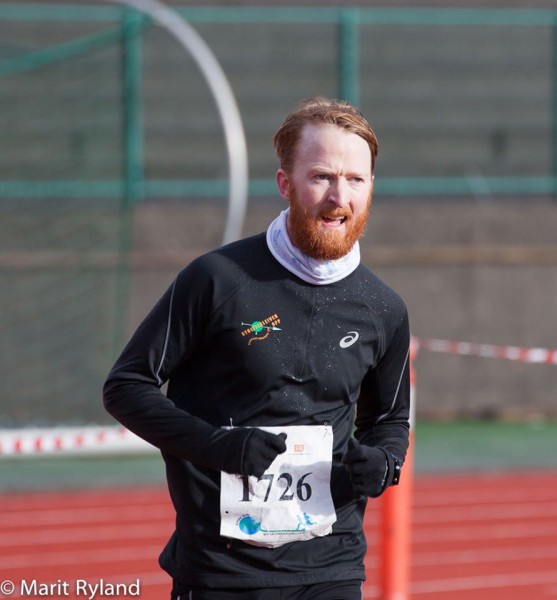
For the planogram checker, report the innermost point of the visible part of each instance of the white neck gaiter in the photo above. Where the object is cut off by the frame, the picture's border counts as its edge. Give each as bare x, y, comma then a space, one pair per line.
311, 270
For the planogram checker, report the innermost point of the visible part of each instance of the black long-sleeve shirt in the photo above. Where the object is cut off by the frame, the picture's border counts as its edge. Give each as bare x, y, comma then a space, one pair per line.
243, 341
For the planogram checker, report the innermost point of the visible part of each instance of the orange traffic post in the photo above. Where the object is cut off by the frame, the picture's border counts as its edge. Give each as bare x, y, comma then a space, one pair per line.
396, 517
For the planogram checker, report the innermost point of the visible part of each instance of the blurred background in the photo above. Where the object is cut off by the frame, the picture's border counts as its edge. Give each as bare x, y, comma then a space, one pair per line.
114, 175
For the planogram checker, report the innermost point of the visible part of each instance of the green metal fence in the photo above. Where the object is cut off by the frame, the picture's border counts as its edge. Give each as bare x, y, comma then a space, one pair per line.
101, 111
363, 55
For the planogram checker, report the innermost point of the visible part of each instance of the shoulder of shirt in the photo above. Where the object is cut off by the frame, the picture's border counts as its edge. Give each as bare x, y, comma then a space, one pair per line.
376, 289
240, 259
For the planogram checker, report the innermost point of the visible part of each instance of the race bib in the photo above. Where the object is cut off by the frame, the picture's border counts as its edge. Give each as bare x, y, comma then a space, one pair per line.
291, 501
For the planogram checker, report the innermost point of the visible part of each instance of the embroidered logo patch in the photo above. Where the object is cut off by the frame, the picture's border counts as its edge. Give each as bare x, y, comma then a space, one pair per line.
260, 330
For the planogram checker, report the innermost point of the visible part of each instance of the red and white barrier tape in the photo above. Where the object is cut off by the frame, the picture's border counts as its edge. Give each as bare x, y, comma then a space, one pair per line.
516, 353
119, 440
70, 440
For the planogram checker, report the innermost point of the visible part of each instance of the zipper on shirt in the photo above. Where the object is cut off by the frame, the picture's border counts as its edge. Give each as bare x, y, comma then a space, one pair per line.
308, 336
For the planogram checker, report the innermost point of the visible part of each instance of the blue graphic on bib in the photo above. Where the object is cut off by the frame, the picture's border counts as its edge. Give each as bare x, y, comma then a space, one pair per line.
305, 521
249, 525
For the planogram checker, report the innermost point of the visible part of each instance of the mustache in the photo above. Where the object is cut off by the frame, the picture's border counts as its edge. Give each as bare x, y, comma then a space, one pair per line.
335, 213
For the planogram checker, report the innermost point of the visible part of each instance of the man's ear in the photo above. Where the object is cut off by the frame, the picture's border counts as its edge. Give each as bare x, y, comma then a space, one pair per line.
283, 184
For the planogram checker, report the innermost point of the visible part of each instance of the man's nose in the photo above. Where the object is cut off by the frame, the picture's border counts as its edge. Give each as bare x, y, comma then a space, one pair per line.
338, 192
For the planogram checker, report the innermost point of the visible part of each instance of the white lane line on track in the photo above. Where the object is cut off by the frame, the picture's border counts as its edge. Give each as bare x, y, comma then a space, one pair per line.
483, 582
489, 495
64, 516
72, 516
80, 557
114, 498
483, 532
90, 534
503, 511
492, 555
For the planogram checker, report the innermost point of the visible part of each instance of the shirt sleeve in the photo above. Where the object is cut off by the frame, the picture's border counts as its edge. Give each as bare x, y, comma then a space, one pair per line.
132, 392
382, 417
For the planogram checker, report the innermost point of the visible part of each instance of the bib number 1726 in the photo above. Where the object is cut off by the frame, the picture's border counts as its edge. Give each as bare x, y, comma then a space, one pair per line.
300, 488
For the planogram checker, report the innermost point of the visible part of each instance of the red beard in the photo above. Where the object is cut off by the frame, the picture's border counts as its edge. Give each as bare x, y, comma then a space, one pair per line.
308, 235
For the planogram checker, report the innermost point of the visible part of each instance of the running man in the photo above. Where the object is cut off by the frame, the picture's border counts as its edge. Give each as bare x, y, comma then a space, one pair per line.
288, 383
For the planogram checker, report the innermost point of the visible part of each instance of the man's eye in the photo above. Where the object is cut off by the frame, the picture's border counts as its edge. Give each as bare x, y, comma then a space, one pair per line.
322, 176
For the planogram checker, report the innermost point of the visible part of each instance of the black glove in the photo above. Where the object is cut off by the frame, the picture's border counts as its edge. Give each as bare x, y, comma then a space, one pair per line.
368, 468
244, 450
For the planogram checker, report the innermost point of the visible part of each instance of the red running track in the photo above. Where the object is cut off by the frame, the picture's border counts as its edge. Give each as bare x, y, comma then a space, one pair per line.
474, 537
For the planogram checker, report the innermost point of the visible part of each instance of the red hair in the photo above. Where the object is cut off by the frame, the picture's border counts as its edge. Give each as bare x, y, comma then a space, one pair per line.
316, 111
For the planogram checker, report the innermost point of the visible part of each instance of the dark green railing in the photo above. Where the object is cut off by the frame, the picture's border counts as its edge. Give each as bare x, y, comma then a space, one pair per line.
126, 26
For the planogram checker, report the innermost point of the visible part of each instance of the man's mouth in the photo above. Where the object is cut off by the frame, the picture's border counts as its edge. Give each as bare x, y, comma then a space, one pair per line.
333, 222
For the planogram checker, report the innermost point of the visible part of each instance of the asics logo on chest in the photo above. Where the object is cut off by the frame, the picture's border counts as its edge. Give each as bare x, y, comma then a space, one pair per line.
348, 340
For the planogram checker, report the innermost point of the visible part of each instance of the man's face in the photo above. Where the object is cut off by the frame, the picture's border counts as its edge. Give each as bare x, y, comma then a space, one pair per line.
329, 191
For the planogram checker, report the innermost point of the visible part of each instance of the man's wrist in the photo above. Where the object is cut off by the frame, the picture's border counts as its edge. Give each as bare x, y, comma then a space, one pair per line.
396, 469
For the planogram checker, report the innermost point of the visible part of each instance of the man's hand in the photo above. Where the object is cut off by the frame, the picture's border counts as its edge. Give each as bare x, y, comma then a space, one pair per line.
368, 468
244, 450
260, 451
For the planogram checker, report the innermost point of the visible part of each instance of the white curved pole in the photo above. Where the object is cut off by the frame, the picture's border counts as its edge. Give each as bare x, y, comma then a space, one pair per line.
226, 105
